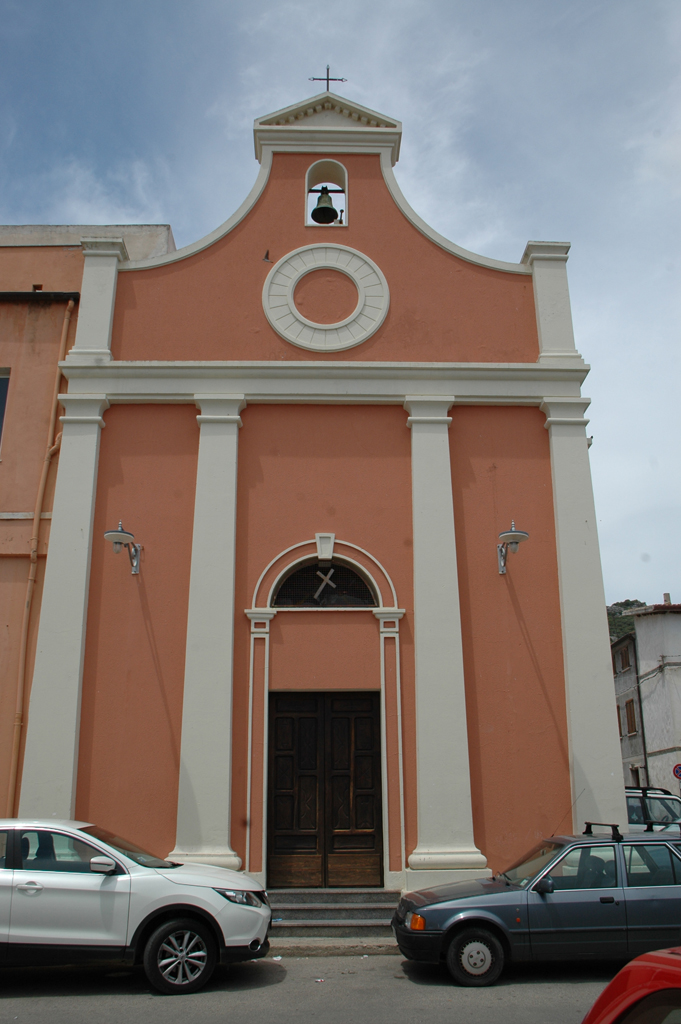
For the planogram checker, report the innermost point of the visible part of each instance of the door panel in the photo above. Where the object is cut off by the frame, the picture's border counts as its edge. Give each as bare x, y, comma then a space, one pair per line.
58, 900
324, 806
585, 915
653, 897
353, 826
296, 783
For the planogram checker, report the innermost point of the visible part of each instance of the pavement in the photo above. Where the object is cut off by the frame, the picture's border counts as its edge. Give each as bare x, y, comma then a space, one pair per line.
363, 989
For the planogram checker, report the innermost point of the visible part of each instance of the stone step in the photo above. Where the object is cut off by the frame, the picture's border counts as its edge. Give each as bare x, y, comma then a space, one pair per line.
294, 897
345, 928
348, 914
330, 911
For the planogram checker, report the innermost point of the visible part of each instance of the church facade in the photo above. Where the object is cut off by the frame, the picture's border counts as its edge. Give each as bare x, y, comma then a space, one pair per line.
322, 665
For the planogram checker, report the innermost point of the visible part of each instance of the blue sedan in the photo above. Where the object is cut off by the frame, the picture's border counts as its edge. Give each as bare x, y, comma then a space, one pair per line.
571, 897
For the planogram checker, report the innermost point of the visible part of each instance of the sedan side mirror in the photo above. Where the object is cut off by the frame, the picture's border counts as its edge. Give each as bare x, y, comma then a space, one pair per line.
544, 885
102, 865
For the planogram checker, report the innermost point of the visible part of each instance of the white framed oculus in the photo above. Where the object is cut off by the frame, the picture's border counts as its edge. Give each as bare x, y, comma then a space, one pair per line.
278, 298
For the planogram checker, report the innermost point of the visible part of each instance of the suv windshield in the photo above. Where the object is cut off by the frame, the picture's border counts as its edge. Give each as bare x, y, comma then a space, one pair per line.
128, 849
525, 869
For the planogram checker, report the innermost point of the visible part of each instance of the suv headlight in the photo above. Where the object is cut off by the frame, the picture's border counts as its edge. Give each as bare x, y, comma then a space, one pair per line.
243, 896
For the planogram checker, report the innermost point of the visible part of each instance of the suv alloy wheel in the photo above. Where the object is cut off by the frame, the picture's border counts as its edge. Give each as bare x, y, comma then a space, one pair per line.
180, 956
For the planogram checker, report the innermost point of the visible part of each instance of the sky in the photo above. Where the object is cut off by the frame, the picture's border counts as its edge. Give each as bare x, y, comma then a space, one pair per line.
530, 119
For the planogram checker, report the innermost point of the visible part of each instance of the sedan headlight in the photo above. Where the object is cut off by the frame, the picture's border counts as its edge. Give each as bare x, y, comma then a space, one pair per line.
243, 896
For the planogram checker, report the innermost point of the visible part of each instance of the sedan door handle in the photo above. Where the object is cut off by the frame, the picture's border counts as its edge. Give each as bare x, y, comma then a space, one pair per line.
31, 888
607, 899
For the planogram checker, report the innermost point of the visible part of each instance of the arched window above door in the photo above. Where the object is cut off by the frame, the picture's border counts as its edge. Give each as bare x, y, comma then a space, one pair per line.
333, 585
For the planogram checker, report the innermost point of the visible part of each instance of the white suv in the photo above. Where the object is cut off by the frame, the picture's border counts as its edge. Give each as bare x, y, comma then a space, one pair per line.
651, 809
74, 893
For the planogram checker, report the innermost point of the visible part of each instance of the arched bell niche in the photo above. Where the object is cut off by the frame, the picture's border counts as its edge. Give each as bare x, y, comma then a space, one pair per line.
324, 585
332, 175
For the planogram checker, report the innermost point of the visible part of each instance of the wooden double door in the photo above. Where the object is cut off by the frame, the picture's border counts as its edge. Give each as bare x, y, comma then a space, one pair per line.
324, 804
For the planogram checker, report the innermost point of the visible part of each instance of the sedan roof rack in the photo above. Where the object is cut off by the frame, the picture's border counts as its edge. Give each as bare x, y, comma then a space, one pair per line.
616, 835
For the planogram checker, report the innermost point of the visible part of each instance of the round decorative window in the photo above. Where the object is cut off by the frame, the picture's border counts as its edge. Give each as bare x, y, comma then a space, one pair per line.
278, 298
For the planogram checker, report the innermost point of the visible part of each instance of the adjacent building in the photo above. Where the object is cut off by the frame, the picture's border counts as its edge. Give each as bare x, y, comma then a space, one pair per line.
629, 718
308, 653
647, 668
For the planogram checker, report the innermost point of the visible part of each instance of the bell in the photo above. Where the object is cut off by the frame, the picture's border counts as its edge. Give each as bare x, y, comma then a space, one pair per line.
324, 212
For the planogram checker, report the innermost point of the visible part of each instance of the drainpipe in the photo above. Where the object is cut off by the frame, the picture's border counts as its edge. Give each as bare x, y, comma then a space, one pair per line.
640, 708
51, 450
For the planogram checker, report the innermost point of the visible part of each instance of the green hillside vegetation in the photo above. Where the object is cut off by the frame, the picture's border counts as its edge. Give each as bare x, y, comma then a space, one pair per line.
619, 622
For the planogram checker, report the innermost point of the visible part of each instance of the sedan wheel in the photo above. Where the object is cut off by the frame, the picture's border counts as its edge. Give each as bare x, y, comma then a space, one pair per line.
475, 957
180, 957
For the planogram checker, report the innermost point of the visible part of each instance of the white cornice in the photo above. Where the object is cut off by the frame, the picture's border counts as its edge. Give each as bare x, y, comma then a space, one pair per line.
324, 383
565, 412
105, 247
355, 370
545, 251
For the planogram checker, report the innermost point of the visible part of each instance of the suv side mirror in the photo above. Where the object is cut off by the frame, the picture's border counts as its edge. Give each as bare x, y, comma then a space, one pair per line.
544, 885
102, 865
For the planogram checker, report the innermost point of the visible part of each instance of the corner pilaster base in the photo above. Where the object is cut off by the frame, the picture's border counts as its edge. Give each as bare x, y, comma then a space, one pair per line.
562, 360
88, 356
429, 877
228, 859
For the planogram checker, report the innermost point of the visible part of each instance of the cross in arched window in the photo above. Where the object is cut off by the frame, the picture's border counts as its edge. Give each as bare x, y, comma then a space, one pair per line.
326, 579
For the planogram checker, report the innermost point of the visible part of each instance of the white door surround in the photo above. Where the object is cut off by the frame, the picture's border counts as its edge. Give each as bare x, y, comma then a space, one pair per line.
388, 617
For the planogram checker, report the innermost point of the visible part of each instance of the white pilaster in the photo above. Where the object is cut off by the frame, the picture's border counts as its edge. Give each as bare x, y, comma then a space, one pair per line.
595, 760
446, 848
97, 299
548, 261
204, 798
48, 787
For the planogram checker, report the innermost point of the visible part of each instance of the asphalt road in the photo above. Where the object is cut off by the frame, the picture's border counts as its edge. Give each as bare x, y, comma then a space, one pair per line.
360, 990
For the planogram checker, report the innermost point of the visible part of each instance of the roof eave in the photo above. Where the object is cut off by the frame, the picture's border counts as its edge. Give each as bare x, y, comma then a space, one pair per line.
318, 139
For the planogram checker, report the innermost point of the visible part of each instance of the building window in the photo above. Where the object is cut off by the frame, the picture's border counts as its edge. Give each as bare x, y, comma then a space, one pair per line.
631, 717
324, 586
624, 658
619, 719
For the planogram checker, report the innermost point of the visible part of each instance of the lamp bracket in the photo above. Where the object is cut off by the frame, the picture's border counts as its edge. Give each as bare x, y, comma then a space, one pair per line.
134, 552
510, 539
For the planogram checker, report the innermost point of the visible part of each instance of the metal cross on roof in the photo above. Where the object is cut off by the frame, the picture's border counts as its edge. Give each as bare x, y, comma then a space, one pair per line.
327, 79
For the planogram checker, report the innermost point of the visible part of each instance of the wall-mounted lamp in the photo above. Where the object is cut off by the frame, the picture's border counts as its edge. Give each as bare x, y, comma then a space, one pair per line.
120, 538
509, 539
